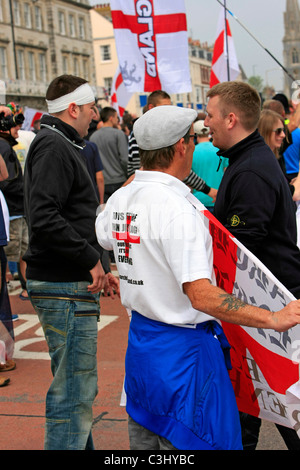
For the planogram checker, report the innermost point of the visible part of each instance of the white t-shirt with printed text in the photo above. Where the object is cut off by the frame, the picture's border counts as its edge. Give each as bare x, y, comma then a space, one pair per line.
160, 242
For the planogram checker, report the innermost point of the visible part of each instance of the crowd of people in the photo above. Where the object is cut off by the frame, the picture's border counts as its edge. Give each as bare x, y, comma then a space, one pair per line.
241, 160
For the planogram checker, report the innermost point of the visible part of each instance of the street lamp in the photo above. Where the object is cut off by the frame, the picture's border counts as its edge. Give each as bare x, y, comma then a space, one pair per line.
270, 70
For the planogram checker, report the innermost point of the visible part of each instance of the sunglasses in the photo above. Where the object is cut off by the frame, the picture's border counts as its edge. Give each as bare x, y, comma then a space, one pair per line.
279, 130
194, 136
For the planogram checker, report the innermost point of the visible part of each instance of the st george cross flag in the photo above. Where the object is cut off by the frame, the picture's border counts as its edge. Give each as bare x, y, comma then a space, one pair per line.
152, 44
220, 72
120, 97
30, 116
265, 364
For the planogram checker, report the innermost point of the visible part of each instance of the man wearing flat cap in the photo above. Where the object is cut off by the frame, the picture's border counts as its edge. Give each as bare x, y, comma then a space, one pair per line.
179, 395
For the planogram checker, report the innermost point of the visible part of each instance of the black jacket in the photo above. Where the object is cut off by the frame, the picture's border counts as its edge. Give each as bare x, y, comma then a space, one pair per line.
254, 203
60, 206
12, 187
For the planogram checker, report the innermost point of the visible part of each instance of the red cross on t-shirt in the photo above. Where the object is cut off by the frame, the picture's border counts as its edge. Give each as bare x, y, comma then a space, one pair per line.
126, 236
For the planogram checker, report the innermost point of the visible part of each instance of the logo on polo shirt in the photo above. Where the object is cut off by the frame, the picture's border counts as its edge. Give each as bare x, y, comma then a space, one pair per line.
235, 221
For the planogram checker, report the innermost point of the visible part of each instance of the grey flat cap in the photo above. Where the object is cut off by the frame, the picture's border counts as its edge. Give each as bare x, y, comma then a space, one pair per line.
162, 126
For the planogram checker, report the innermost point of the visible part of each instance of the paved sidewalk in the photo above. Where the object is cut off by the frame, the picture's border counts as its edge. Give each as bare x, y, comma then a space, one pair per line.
22, 402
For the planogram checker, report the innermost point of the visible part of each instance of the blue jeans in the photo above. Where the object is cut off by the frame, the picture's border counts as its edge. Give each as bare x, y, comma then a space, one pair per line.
68, 314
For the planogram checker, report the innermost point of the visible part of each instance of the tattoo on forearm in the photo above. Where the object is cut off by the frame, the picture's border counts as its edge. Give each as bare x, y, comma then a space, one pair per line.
231, 302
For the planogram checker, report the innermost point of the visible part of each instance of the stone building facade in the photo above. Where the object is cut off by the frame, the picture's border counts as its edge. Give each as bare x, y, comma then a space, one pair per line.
291, 44
39, 40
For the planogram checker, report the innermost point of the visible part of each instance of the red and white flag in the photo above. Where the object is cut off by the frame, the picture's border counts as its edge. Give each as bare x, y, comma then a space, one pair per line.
31, 115
225, 65
120, 96
152, 44
265, 364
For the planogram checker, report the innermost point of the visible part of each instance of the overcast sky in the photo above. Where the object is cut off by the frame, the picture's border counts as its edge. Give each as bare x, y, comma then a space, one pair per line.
262, 18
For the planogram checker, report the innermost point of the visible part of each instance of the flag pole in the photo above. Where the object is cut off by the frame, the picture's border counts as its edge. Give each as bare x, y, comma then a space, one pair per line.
226, 39
255, 39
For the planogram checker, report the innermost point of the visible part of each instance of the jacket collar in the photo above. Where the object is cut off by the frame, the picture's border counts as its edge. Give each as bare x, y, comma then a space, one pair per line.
64, 129
9, 138
235, 152
148, 176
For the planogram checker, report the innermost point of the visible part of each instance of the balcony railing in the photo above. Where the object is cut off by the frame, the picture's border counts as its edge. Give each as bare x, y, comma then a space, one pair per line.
25, 88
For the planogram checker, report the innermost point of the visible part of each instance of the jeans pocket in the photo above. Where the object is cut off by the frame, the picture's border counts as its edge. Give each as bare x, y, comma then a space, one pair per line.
54, 320
86, 333
84, 309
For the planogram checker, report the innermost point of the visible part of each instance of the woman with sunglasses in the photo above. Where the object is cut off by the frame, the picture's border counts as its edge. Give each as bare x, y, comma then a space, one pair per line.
271, 128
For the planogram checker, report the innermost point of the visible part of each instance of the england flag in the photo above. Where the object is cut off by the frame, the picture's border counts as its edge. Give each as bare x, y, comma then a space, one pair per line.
265, 363
152, 44
225, 66
120, 96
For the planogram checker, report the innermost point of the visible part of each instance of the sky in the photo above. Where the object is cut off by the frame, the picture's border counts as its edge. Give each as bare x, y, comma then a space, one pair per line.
262, 18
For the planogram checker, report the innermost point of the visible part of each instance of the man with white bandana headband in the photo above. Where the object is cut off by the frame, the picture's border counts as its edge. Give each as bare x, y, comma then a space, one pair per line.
64, 271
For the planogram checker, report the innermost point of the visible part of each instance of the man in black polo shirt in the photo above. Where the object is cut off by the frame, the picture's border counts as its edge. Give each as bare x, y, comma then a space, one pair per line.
254, 201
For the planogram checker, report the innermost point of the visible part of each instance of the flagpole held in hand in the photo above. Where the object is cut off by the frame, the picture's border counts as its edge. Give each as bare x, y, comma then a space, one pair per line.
226, 38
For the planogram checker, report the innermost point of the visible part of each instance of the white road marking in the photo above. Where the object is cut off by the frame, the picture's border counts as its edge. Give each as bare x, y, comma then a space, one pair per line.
31, 321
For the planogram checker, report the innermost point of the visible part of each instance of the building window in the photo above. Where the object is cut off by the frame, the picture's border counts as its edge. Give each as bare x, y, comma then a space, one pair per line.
65, 65
85, 69
61, 23
38, 18
31, 68
21, 65
105, 53
3, 63
72, 26
108, 84
295, 56
205, 74
43, 67
75, 66
81, 28
27, 15
16, 13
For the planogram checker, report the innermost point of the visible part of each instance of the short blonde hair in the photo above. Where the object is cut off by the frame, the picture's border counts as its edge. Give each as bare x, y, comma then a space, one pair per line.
240, 98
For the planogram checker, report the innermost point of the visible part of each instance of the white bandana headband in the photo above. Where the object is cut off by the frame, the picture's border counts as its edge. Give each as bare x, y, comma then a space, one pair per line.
82, 95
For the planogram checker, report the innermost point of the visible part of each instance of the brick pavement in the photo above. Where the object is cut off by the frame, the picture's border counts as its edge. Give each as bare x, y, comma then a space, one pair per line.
22, 401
